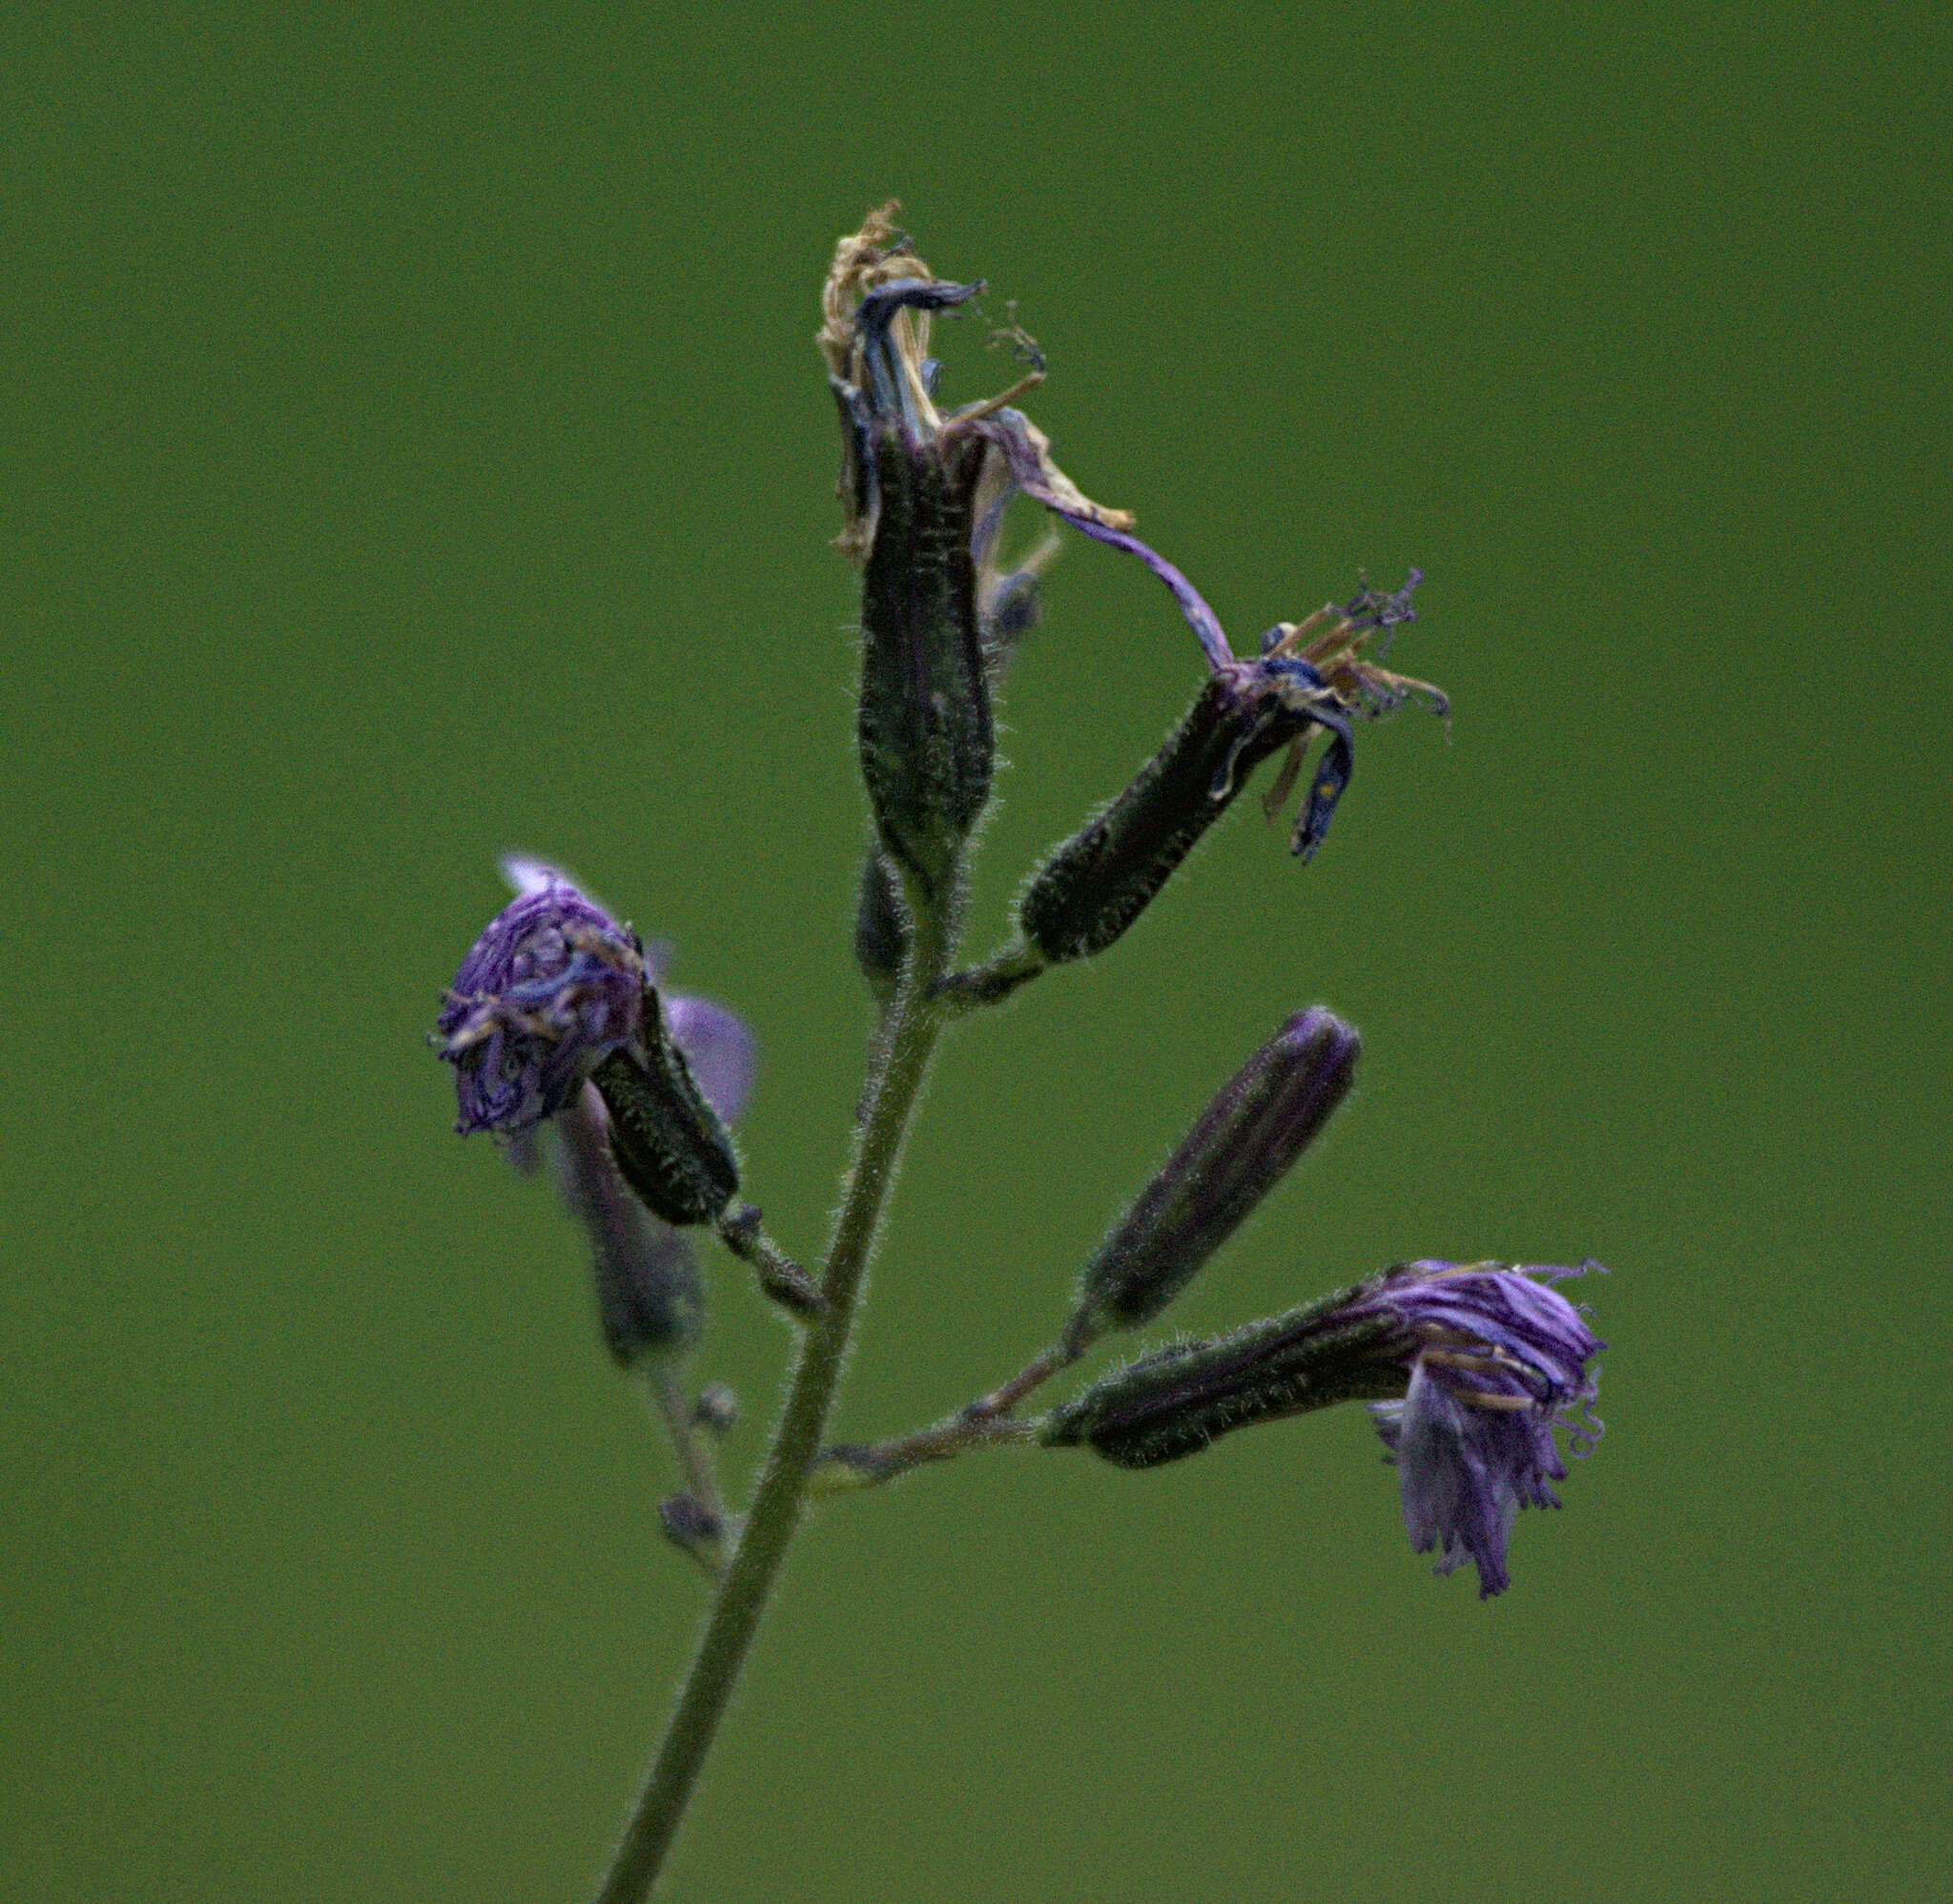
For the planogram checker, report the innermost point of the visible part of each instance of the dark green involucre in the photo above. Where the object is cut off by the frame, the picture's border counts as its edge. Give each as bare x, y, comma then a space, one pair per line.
928, 744
1252, 1132
881, 928
1176, 1402
1100, 880
670, 1144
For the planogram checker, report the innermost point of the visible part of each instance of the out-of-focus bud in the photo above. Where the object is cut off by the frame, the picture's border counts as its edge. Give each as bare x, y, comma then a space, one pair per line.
692, 1528
716, 1409
881, 928
1258, 1123
1306, 678
1472, 1369
649, 1298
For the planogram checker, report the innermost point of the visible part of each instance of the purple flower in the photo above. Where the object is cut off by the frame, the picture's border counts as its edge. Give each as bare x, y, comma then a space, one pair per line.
719, 1049
1469, 1371
550, 988
1500, 1361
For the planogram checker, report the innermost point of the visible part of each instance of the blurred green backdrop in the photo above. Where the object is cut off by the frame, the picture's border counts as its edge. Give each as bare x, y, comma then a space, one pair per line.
415, 448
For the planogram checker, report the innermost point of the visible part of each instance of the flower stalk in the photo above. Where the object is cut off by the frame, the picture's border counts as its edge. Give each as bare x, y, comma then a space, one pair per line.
917, 1021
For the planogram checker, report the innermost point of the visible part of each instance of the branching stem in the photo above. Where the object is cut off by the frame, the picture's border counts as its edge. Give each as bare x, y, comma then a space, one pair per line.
984, 1424
993, 981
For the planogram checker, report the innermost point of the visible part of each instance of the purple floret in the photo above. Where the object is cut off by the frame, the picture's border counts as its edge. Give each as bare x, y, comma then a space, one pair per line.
550, 988
1501, 1361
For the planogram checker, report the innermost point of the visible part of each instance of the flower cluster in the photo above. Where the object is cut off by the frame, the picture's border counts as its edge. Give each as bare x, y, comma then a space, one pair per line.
560, 1038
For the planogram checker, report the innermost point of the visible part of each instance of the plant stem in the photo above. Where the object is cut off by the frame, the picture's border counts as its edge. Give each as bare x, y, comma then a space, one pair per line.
847, 1470
916, 1021
993, 981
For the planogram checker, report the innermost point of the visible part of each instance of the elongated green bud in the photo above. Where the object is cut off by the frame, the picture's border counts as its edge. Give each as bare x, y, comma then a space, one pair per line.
928, 744
670, 1144
1177, 1401
1100, 880
1260, 1121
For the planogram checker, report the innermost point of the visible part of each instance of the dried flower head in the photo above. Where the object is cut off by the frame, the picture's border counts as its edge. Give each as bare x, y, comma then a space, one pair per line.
923, 493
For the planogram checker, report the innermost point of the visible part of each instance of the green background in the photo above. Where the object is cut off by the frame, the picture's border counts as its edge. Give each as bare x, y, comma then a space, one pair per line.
415, 448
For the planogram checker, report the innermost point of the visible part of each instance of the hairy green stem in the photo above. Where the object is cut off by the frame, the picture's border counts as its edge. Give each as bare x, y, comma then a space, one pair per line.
983, 1424
995, 980
848, 1470
916, 1022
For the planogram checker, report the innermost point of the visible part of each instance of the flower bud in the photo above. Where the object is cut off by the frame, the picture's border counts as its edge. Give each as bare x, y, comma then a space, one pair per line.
881, 928
716, 1409
1256, 1127
670, 1144
1176, 1401
649, 1298
1097, 882
692, 1528
928, 744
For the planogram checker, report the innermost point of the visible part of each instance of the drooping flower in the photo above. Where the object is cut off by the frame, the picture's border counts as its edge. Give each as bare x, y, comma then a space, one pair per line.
650, 1298
1471, 1370
1501, 1362
556, 994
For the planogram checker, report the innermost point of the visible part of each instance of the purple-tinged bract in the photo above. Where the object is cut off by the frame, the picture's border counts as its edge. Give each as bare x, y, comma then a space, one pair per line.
1501, 1361
550, 988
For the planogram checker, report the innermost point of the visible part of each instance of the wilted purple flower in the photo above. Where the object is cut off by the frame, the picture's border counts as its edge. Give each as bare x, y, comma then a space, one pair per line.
924, 492
555, 994
550, 990
1501, 1361
1307, 677
1260, 1121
